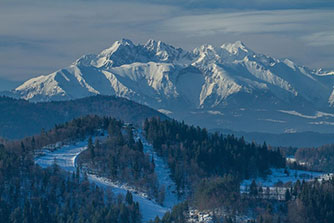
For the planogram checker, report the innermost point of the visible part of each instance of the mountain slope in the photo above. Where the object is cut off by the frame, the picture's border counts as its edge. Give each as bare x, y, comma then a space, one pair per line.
21, 118
214, 84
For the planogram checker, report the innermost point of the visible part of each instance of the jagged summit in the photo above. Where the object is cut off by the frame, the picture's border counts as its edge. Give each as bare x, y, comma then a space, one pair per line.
116, 46
235, 48
207, 79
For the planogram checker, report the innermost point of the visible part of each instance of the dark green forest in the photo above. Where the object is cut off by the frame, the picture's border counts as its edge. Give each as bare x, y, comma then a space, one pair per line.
32, 194
193, 154
207, 169
121, 159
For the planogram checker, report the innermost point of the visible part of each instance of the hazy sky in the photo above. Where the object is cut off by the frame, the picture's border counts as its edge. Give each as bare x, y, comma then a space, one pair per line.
41, 36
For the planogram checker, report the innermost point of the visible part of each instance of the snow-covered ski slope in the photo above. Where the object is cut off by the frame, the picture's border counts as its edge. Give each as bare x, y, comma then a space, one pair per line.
162, 171
66, 156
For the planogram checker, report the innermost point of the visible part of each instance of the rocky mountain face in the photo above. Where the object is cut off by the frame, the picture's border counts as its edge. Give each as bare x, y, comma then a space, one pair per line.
229, 86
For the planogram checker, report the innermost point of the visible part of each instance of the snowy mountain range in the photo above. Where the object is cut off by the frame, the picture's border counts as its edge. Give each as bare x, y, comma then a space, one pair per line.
229, 86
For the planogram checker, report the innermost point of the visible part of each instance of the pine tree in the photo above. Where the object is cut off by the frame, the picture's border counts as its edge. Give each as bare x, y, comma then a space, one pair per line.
253, 189
287, 195
129, 198
91, 148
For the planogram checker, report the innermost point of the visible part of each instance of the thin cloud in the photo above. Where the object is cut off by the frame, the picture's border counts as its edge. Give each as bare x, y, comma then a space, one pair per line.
277, 21
245, 4
325, 38
39, 37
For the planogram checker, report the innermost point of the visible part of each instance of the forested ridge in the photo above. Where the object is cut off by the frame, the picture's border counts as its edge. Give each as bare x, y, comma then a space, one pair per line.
319, 158
207, 169
20, 118
193, 154
32, 194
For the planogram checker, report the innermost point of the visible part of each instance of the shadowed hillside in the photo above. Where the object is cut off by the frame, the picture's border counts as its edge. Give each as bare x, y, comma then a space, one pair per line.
21, 118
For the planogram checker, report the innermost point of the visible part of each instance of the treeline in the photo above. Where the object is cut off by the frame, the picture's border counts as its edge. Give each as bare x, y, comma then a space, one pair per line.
122, 159
321, 158
177, 215
314, 202
306, 202
193, 154
31, 194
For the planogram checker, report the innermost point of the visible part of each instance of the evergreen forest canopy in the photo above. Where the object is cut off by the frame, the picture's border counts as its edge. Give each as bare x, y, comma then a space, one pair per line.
32, 194
120, 158
209, 167
320, 158
192, 153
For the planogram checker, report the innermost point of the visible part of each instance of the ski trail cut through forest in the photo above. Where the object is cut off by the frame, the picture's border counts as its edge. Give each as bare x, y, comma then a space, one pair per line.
162, 171
66, 156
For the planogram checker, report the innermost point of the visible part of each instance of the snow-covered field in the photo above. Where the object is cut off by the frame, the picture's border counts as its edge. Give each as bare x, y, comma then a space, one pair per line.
278, 176
162, 171
272, 185
66, 156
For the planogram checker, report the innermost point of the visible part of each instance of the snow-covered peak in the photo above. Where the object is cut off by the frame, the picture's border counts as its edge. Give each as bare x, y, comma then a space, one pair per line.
236, 48
154, 45
235, 51
226, 53
205, 55
121, 52
165, 52
206, 48
85, 60
116, 46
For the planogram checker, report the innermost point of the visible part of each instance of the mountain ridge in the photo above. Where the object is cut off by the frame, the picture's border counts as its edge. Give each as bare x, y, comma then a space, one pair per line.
223, 79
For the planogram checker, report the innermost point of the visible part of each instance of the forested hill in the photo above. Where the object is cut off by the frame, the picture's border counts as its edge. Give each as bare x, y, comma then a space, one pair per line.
35, 195
20, 118
193, 154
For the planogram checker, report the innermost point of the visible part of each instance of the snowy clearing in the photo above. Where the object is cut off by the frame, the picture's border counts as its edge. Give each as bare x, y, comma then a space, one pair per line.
278, 176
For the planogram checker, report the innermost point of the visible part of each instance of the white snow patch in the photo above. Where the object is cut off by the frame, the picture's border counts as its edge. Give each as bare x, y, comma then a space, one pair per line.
318, 114
322, 123
215, 112
290, 64
291, 130
272, 120
165, 111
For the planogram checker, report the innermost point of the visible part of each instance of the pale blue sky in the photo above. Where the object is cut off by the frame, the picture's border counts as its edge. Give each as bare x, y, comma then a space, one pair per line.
39, 37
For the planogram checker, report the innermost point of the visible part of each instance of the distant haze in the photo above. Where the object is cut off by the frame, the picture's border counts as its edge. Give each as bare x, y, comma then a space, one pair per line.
39, 37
